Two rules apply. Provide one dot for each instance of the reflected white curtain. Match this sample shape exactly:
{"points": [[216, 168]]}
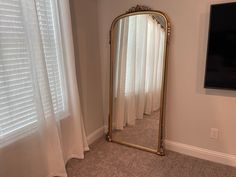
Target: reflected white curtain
{"points": [[37, 141], [138, 68]]}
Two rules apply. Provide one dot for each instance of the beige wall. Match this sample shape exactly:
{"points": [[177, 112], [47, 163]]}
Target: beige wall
{"points": [[85, 33], [191, 109]]}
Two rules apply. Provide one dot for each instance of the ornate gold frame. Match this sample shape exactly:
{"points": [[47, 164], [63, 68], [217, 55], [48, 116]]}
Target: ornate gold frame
{"points": [[135, 11]]}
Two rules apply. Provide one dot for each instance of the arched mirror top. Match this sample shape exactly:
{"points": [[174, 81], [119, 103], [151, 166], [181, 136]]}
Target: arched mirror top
{"points": [[160, 17]]}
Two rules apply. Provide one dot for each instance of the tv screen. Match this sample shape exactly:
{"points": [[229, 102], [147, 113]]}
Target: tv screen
{"points": [[221, 54]]}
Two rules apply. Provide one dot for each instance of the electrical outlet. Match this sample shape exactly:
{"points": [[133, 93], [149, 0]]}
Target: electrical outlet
{"points": [[214, 133]]}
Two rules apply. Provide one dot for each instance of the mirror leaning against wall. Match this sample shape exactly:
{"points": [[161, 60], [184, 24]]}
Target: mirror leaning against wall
{"points": [[138, 49]]}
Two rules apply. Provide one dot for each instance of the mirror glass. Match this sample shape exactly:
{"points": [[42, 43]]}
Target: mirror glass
{"points": [[139, 43]]}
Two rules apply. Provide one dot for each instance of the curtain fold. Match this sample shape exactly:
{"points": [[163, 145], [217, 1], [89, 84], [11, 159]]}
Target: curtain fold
{"points": [[40, 150], [75, 142], [138, 69]]}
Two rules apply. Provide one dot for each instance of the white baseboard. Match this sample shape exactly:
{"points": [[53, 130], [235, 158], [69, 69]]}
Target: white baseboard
{"points": [[214, 156], [95, 135], [201, 153]]}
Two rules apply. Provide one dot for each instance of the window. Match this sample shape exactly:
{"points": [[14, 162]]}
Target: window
{"points": [[18, 107]]}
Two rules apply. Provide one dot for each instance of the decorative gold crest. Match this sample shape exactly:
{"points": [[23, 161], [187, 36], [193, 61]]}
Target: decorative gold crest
{"points": [[138, 8]]}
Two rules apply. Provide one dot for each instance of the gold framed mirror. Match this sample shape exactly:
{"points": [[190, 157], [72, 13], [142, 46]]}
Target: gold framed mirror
{"points": [[138, 63]]}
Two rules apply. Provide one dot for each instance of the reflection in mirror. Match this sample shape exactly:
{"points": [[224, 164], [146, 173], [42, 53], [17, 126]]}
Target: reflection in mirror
{"points": [[139, 51]]}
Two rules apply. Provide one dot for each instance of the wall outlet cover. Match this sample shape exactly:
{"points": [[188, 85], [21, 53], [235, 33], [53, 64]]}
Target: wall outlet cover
{"points": [[214, 134]]}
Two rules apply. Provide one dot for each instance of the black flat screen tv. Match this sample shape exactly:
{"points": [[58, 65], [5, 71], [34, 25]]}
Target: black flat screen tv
{"points": [[220, 72]]}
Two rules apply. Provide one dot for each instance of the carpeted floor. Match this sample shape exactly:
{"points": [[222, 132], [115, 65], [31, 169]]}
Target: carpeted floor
{"points": [[143, 133], [112, 160]]}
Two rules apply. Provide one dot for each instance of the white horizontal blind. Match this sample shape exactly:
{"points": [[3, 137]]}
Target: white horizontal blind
{"points": [[17, 106], [52, 49], [18, 113]]}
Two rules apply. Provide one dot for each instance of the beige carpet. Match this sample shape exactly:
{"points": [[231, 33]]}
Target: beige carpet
{"points": [[143, 133], [112, 160]]}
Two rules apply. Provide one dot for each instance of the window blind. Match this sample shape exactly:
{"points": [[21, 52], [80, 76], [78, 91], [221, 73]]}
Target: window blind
{"points": [[18, 114], [52, 47]]}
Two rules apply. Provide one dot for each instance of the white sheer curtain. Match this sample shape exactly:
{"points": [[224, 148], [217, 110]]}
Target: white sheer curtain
{"points": [[41, 125], [138, 72]]}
